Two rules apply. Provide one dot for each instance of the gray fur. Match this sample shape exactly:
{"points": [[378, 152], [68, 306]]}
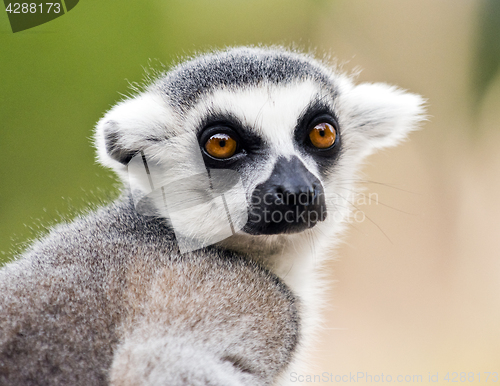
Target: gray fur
{"points": [[239, 67], [112, 283]]}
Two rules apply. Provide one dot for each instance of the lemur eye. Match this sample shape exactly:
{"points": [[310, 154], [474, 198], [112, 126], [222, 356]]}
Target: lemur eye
{"points": [[323, 135], [221, 145]]}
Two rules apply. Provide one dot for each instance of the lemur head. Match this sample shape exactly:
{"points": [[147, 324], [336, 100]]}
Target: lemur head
{"points": [[278, 132]]}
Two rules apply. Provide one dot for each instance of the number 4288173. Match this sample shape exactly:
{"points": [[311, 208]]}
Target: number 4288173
{"points": [[33, 7]]}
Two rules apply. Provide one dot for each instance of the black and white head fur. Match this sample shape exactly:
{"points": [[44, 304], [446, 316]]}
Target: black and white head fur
{"points": [[268, 101]]}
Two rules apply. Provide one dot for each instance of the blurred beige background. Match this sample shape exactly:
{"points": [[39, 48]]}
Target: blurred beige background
{"points": [[416, 286]]}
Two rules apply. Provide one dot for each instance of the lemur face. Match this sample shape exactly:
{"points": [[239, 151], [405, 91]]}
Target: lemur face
{"points": [[282, 140], [289, 131]]}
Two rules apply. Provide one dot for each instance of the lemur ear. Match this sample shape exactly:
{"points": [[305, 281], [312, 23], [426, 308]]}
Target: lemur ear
{"points": [[129, 127], [380, 115]]}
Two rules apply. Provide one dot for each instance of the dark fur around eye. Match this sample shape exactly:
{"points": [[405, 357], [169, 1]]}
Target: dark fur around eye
{"points": [[314, 114], [318, 112], [247, 142]]}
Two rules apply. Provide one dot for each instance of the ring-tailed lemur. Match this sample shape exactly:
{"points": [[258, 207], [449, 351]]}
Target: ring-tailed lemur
{"points": [[207, 270]]}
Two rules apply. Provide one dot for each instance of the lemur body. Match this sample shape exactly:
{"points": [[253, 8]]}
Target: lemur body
{"points": [[112, 298], [102, 292]]}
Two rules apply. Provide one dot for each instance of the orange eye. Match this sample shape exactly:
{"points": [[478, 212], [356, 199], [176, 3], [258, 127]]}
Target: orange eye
{"points": [[220, 145], [322, 135]]}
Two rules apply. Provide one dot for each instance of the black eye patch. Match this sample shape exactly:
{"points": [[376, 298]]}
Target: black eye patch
{"points": [[248, 143], [315, 113]]}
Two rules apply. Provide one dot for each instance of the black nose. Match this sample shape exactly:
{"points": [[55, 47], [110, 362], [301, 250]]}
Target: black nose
{"points": [[298, 194], [292, 184], [291, 200]]}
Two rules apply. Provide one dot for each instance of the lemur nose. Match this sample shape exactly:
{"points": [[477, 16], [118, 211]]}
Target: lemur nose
{"points": [[290, 200], [297, 194]]}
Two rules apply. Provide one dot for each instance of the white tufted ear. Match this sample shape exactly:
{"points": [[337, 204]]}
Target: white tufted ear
{"points": [[380, 115], [129, 127]]}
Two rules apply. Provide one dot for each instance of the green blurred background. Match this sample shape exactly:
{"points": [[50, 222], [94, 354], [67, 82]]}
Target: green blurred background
{"points": [[424, 295]]}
